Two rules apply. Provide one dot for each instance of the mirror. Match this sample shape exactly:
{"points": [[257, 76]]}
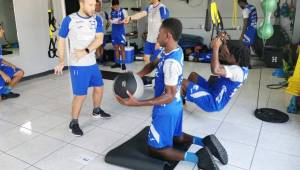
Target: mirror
{"points": [[9, 41]]}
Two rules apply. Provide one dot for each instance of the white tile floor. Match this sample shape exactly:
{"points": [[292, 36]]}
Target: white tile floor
{"points": [[34, 134]]}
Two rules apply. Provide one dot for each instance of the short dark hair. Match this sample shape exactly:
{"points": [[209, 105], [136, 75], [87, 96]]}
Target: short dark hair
{"points": [[174, 26], [115, 2], [240, 52]]}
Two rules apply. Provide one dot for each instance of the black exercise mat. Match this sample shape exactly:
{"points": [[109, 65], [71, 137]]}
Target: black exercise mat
{"points": [[133, 154]]}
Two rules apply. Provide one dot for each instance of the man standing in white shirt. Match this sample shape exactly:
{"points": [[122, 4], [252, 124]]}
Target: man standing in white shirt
{"points": [[85, 32], [156, 12]]}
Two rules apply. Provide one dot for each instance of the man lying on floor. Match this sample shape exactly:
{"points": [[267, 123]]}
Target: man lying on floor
{"points": [[213, 95], [10, 75], [166, 127]]}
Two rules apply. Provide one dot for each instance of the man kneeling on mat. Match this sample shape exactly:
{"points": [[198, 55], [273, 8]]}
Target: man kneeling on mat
{"points": [[166, 127], [10, 75], [213, 95]]}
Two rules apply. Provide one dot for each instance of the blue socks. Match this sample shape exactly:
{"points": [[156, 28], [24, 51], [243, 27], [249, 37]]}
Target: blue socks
{"points": [[191, 157], [198, 141], [7, 89]]}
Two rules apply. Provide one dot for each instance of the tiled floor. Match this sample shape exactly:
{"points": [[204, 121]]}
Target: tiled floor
{"points": [[34, 134]]}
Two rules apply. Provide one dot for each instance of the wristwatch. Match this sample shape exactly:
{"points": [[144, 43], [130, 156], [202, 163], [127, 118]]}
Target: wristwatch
{"points": [[87, 51]]}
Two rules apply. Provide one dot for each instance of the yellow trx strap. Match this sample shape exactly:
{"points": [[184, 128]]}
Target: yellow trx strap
{"points": [[214, 13], [235, 13], [51, 28], [52, 48]]}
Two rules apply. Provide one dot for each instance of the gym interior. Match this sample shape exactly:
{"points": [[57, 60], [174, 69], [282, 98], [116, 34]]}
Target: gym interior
{"points": [[149, 84]]}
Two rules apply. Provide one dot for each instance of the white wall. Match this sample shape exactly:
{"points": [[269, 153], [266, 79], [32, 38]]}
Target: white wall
{"points": [[193, 15], [32, 27], [296, 33], [8, 19]]}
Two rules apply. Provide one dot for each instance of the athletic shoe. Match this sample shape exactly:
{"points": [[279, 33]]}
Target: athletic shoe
{"points": [[9, 95], [75, 129], [99, 113], [123, 67], [116, 65], [216, 148], [205, 160]]}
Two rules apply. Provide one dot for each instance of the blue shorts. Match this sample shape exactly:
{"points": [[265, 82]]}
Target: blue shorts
{"points": [[83, 77], [201, 95], [249, 36], [10, 72], [149, 48], [166, 124], [118, 38]]}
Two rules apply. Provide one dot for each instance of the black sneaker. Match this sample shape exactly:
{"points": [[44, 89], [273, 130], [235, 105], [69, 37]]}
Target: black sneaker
{"points": [[205, 160], [99, 113], [116, 65], [216, 148], [123, 67], [10, 95], [75, 129]]}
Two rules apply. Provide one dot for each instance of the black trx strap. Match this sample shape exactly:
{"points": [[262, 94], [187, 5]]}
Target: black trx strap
{"points": [[52, 28]]}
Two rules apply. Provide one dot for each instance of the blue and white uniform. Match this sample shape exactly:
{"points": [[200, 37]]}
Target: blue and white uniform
{"points": [[81, 32], [118, 30], [7, 70], [167, 118], [212, 97], [105, 19], [1, 56], [250, 14], [2, 82], [156, 15]]}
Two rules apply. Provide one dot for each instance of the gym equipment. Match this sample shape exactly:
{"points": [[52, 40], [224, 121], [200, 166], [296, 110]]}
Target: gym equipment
{"points": [[190, 41], [208, 17], [292, 10], [277, 11], [279, 73], [52, 29], [280, 85], [271, 115], [265, 32], [129, 52], [128, 82], [294, 82], [285, 9], [133, 154], [292, 108], [235, 13], [274, 57], [279, 39]]}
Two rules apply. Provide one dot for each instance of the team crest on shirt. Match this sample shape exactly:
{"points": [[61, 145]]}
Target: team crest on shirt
{"points": [[92, 24]]}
